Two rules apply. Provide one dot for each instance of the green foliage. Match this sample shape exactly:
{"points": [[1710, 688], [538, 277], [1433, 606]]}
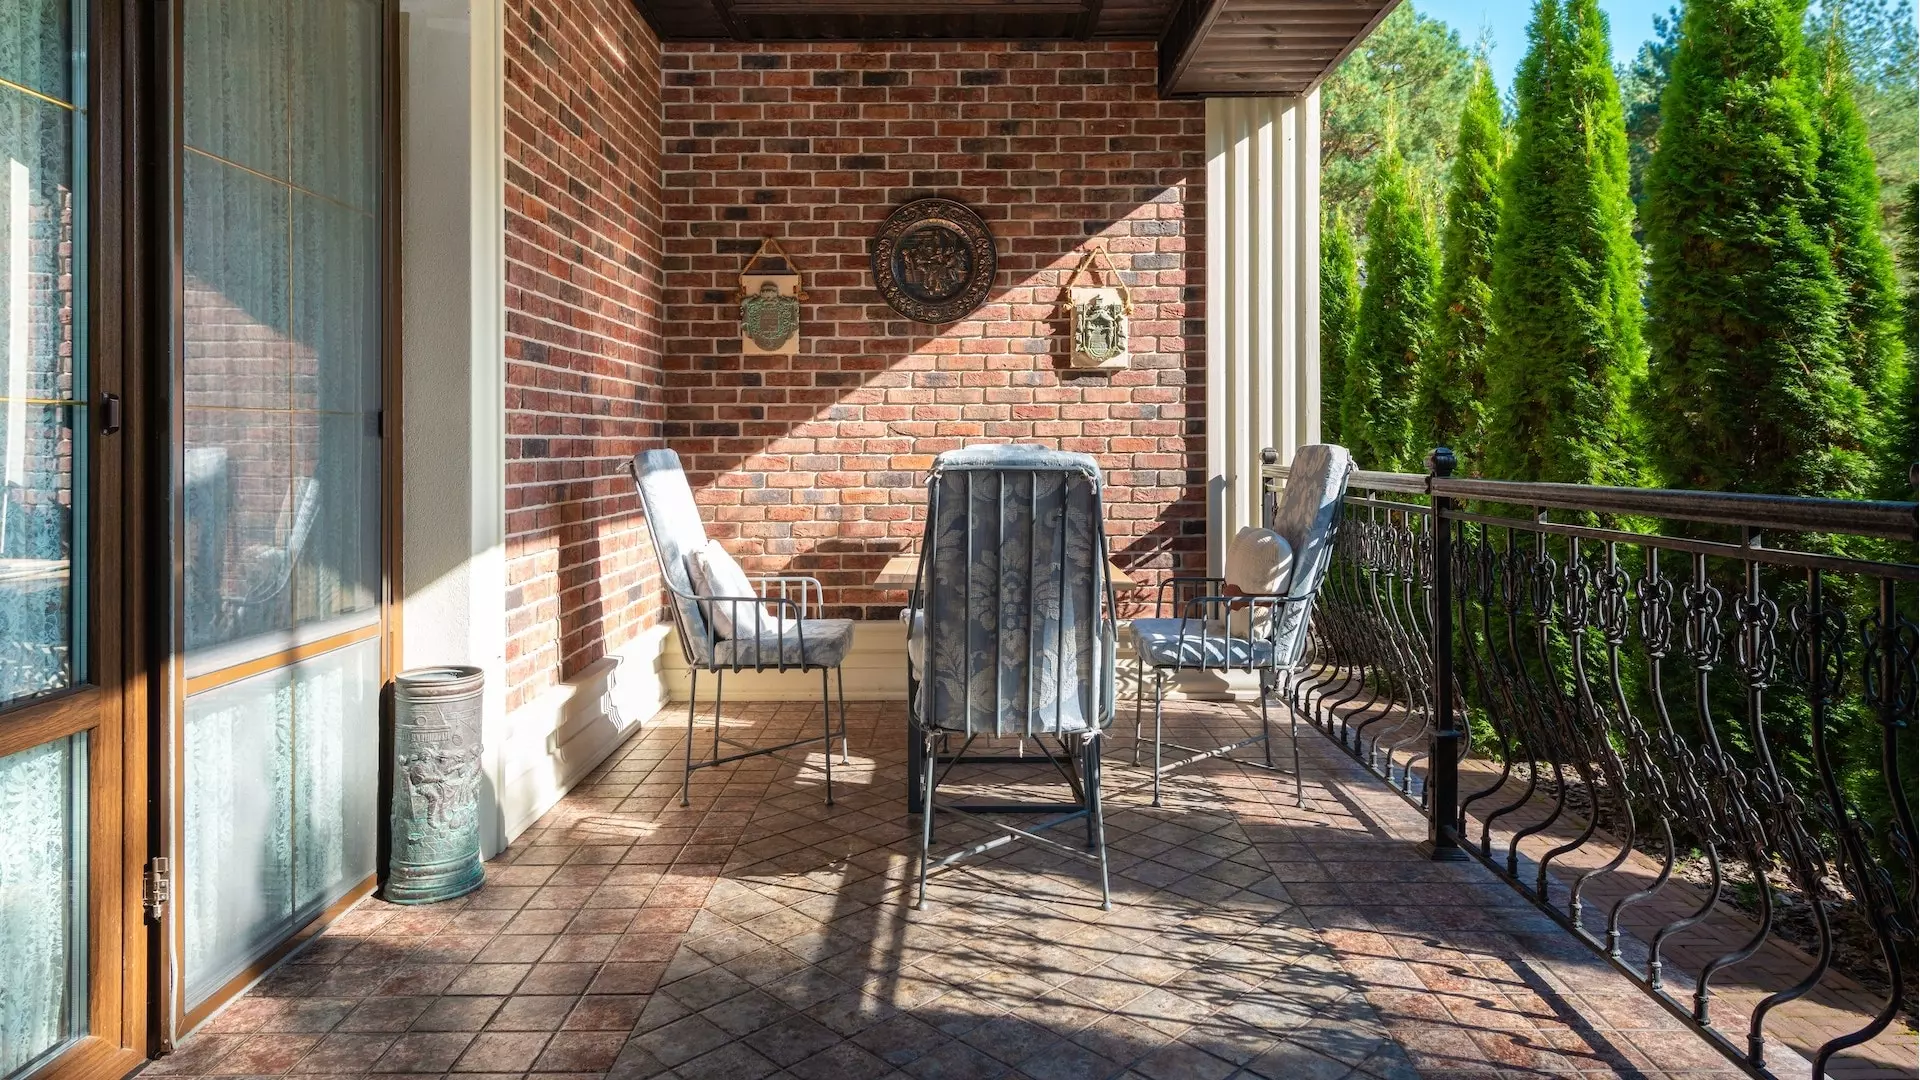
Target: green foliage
{"points": [[1879, 38], [1748, 389], [1395, 305], [1900, 444], [1451, 384], [1566, 352], [1847, 215], [1641, 84], [1404, 85], [1339, 317]]}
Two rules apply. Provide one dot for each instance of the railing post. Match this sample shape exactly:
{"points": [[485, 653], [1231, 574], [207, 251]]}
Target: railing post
{"points": [[1443, 775]]}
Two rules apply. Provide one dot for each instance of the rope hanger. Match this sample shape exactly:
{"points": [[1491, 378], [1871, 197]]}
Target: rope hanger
{"points": [[1096, 249]]}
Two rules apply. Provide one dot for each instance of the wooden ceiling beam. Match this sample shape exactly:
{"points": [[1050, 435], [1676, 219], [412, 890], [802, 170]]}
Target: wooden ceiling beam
{"points": [[1186, 29]]}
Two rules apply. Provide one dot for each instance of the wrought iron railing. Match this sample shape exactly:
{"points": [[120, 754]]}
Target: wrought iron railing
{"points": [[1563, 676]]}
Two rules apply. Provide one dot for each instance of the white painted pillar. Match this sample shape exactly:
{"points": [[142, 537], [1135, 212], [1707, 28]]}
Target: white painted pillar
{"points": [[453, 577], [1263, 298]]}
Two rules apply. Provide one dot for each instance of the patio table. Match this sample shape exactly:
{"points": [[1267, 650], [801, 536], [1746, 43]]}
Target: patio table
{"points": [[900, 570]]}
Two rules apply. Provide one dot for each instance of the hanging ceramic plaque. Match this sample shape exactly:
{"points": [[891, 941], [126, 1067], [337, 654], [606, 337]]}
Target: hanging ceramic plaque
{"points": [[770, 296], [1099, 315]]}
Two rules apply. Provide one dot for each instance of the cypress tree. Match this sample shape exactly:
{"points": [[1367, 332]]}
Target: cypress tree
{"points": [[1339, 312], [1900, 445], [1748, 388], [1451, 386], [1847, 214], [1565, 354], [1395, 304]]}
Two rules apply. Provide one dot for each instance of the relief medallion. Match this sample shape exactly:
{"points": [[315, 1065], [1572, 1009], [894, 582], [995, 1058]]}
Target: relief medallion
{"points": [[933, 260]]}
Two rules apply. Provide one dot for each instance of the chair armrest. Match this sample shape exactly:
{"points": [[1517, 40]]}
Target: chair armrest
{"points": [[1175, 583], [802, 583], [787, 611]]}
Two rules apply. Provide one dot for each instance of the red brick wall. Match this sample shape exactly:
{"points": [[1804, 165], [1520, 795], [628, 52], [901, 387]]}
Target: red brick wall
{"points": [[583, 331], [817, 463]]}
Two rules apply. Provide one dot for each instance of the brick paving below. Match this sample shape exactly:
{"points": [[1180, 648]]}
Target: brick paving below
{"points": [[761, 933]]}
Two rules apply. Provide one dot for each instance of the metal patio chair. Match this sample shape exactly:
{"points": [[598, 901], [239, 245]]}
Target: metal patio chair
{"points": [[1204, 637], [786, 638], [1013, 638]]}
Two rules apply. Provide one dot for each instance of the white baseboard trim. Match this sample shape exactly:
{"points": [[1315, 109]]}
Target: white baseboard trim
{"points": [[559, 737]]}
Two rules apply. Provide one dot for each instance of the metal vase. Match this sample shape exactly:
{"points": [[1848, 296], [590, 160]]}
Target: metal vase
{"points": [[436, 786]]}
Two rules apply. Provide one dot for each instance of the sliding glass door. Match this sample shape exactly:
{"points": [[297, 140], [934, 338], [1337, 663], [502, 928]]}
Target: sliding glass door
{"points": [[69, 982], [278, 367]]}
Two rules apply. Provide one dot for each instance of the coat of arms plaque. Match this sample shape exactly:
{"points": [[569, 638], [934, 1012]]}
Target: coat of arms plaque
{"points": [[933, 260], [770, 296], [1099, 314]]}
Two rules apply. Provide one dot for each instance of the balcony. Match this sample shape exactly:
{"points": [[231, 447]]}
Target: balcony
{"points": [[1497, 918]]}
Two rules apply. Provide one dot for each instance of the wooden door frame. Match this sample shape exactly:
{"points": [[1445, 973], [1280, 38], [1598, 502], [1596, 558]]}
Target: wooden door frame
{"points": [[163, 705], [112, 707]]}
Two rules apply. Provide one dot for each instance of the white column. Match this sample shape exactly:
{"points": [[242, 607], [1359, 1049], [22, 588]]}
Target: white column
{"points": [[453, 577], [1263, 298]]}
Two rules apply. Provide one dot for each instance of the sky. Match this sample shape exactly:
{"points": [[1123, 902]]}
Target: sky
{"points": [[1505, 21]]}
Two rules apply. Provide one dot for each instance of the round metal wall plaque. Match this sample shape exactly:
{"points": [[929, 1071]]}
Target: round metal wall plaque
{"points": [[933, 260]]}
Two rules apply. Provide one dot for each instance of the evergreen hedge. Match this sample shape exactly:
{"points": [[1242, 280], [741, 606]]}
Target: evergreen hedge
{"points": [[1395, 305], [1565, 354]]}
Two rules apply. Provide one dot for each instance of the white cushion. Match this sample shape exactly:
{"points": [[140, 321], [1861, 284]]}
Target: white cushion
{"points": [[714, 573], [1260, 562]]}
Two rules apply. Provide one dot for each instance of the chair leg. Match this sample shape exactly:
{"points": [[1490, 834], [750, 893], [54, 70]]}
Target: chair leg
{"points": [[1139, 697], [926, 817], [826, 732], [1159, 695], [1097, 825], [1299, 781], [1266, 732], [916, 751], [840, 678], [1089, 775], [719, 693], [693, 698]]}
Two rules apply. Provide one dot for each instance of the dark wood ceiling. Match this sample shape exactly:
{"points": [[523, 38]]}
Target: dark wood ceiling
{"points": [[1210, 47]]}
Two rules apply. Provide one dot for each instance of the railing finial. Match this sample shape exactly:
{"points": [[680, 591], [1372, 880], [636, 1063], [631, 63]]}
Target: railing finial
{"points": [[1441, 462], [1269, 456]]}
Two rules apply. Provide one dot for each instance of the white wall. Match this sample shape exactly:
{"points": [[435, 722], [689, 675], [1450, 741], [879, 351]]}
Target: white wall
{"points": [[453, 400], [1263, 298]]}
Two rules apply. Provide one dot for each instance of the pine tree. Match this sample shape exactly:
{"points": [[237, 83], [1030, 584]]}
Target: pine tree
{"points": [[1566, 351], [1451, 385], [1748, 389], [1395, 305], [1339, 312], [1847, 215]]}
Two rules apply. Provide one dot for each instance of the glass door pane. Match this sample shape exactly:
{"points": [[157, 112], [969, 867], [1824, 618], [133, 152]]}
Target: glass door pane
{"points": [[43, 916], [280, 485], [42, 348]]}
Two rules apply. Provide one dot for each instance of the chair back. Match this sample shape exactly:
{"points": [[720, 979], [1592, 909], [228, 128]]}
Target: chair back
{"points": [[1014, 563], [673, 523], [1308, 516]]}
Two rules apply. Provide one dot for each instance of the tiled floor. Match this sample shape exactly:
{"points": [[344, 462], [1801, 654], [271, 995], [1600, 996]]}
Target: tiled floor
{"points": [[762, 933]]}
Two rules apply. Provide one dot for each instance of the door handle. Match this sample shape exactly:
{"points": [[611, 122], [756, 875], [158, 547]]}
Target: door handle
{"points": [[109, 414]]}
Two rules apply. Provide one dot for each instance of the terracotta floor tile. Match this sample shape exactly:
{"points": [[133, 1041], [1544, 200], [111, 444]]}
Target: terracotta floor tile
{"points": [[760, 933]]}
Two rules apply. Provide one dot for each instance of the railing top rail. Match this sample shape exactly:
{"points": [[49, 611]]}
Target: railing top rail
{"points": [[1884, 520]]}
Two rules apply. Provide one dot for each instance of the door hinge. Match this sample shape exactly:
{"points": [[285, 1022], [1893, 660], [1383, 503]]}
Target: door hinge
{"points": [[157, 891]]}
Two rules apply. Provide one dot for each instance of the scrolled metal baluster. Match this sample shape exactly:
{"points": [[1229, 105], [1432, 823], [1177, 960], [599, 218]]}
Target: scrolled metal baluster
{"points": [[1540, 593], [1819, 664], [1515, 573], [1410, 576], [1656, 631], [1609, 612], [1576, 609], [1700, 603], [1755, 659], [1888, 681], [1477, 587]]}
